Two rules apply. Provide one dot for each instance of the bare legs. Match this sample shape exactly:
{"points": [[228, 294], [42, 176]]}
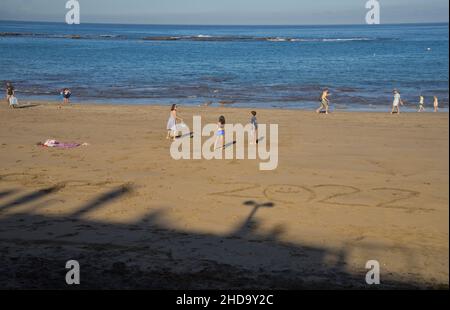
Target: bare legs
{"points": [[254, 138], [222, 142], [171, 134], [323, 106], [395, 109]]}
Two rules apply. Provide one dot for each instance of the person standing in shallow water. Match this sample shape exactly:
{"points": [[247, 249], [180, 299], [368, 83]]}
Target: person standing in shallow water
{"points": [[66, 93], [324, 102], [436, 104], [172, 123]]}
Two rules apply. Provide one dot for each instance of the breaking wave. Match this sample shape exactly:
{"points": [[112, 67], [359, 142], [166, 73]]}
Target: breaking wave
{"points": [[201, 37]]}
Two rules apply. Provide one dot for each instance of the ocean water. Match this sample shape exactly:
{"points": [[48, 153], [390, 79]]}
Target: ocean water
{"points": [[252, 66]]}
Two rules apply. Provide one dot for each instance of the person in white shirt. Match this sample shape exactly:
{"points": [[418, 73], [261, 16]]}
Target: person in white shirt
{"points": [[397, 102], [421, 104]]}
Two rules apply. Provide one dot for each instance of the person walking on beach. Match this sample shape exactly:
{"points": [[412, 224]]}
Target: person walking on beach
{"points": [[254, 123], [220, 133], [324, 102], [9, 91], [66, 93], [397, 102], [436, 104], [421, 104], [172, 123]]}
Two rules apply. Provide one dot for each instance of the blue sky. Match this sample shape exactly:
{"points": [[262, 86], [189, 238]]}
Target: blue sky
{"points": [[224, 12]]}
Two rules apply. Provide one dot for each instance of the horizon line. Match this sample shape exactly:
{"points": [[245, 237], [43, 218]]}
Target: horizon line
{"points": [[230, 25]]}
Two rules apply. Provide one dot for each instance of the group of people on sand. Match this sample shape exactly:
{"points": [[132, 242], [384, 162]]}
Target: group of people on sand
{"points": [[174, 119], [12, 100], [422, 104], [220, 131], [399, 102], [325, 103]]}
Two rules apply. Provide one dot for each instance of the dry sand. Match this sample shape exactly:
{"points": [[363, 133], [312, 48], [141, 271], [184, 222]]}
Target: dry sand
{"points": [[350, 187]]}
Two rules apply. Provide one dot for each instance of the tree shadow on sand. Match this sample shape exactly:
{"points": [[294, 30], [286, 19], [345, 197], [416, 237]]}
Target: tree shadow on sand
{"points": [[150, 254], [8, 192]]}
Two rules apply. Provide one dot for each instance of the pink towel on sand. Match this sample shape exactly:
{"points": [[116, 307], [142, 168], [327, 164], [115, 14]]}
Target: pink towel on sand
{"points": [[61, 145]]}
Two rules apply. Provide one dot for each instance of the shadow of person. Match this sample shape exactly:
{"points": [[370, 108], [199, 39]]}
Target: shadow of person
{"points": [[190, 135], [229, 144], [25, 106]]}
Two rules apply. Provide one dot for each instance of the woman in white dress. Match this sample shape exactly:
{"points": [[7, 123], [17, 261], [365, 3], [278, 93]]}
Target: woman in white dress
{"points": [[397, 102], [172, 123]]}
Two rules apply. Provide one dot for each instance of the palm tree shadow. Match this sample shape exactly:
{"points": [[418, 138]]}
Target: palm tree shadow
{"points": [[250, 225]]}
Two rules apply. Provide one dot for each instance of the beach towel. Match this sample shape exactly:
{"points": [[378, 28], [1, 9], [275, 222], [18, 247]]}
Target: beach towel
{"points": [[61, 145]]}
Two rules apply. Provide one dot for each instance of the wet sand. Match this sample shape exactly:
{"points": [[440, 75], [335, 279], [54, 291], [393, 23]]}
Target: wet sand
{"points": [[349, 188]]}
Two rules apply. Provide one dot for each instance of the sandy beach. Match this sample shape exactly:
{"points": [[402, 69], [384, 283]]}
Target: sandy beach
{"points": [[350, 187]]}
